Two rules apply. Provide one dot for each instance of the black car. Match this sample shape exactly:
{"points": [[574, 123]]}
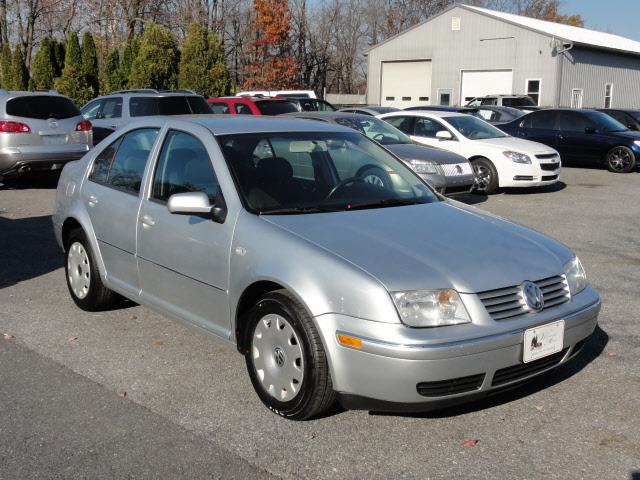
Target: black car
{"points": [[628, 117], [304, 104], [583, 137]]}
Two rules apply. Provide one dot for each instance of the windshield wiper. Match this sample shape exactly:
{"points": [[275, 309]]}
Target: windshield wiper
{"points": [[389, 202], [297, 210]]}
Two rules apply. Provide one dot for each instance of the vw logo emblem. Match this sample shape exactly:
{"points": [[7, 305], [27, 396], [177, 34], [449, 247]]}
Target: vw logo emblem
{"points": [[279, 356], [533, 296]]}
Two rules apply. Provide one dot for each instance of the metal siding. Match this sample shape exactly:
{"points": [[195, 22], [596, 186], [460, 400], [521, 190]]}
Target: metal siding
{"points": [[483, 43], [591, 70]]}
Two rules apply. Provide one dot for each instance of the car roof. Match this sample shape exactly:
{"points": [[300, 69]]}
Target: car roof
{"points": [[246, 124], [425, 113]]}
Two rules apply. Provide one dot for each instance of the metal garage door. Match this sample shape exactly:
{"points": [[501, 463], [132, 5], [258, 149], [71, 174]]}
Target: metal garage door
{"points": [[405, 84], [479, 83]]}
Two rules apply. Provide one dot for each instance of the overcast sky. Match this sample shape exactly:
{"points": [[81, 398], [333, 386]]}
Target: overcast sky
{"points": [[613, 16]]}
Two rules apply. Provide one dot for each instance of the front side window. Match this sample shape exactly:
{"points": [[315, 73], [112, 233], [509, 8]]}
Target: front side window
{"points": [[473, 128], [184, 166], [574, 122], [427, 127], [112, 108], [130, 160], [489, 101], [300, 172], [91, 109], [604, 123]]}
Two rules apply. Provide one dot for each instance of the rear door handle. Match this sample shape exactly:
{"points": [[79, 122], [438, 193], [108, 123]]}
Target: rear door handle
{"points": [[560, 136], [147, 221], [93, 200]]}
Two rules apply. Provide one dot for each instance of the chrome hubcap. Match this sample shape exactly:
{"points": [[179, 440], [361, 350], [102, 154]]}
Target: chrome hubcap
{"points": [[620, 159], [374, 180], [483, 176], [276, 354], [78, 270]]}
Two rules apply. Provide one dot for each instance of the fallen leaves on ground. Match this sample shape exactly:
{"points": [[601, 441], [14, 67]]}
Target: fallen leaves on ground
{"points": [[121, 392], [157, 343], [8, 336], [540, 408], [73, 339], [470, 443]]}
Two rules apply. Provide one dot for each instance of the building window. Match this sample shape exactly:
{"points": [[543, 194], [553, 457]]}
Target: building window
{"points": [[406, 99], [576, 97], [444, 96], [608, 95], [534, 90]]}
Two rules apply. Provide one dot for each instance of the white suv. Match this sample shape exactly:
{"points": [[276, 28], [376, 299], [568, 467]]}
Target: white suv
{"points": [[498, 159]]}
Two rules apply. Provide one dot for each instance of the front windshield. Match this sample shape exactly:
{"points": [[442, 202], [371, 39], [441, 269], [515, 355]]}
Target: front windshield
{"points": [[605, 123], [295, 173], [473, 128], [375, 129]]}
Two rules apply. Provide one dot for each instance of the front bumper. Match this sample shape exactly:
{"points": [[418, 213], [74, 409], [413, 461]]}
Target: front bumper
{"points": [[394, 359], [522, 175], [459, 184], [16, 160]]}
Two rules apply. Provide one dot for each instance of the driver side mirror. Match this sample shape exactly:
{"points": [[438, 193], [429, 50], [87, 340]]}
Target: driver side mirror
{"points": [[589, 130], [195, 203], [444, 135]]}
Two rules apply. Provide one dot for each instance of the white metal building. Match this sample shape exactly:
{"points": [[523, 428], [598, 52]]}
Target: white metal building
{"points": [[468, 51]]}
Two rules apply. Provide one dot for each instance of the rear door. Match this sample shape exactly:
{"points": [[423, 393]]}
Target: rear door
{"points": [[539, 127], [574, 143], [112, 197]]}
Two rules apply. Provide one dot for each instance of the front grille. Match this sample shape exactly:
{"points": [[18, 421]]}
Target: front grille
{"points": [[450, 387], [509, 302], [549, 167], [456, 169], [546, 178], [522, 370], [546, 156]]}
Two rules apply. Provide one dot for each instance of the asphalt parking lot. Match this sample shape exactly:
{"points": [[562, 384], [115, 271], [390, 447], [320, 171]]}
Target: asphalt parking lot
{"points": [[128, 393]]}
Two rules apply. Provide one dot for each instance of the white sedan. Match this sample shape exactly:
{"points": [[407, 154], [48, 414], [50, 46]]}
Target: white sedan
{"points": [[498, 159]]}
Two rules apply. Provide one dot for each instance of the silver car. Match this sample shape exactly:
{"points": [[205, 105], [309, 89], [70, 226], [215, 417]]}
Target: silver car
{"points": [[260, 232], [40, 131]]}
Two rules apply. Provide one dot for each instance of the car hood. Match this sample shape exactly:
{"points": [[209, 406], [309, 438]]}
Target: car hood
{"points": [[407, 151], [519, 144], [437, 245]]}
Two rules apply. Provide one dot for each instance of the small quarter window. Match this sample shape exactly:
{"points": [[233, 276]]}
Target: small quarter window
{"points": [[102, 163]]}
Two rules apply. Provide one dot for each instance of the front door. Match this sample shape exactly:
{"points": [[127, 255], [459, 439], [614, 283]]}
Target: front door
{"points": [[111, 195], [184, 259]]}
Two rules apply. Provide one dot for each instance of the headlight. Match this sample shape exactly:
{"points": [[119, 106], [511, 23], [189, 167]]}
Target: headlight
{"points": [[430, 308], [423, 166], [517, 157], [576, 276], [637, 142]]}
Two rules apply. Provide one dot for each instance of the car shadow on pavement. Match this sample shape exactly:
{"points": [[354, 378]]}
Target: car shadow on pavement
{"points": [[592, 349], [31, 180], [470, 198], [28, 249], [553, 188]]}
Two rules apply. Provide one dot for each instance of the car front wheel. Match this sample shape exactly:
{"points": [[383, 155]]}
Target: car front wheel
{"points": [[285, 358], [486, 176], [620, 160]]}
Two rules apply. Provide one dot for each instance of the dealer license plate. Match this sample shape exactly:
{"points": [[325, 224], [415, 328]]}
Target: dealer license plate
{"points": [[54, 139], [543, 341]]}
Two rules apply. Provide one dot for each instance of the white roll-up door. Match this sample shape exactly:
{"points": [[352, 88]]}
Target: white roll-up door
{"points": [[478, 83], [406, 83]]}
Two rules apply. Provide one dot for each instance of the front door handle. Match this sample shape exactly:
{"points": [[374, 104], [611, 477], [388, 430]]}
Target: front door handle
{"points": [[147, 221], [93, 200]]}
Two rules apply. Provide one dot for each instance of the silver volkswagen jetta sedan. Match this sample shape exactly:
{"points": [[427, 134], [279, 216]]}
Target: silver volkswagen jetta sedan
{"points": [[261, 232]]}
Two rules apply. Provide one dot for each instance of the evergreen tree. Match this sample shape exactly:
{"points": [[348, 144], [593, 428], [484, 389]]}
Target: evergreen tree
{"points": [[42, 68], [90, 63], [112, 78], [58, 57], [128, 56], [19, 72], [5, 67], [72, 82], [202, 66], [156, 64]]}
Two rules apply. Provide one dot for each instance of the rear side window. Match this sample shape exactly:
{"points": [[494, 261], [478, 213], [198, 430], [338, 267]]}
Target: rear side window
{"points": [[184, 166], [143, 106], [541, 120], [219, 107], [242, 109], [42, 107], [111, 108], [268, 107], [121, 164], [198, 105]]}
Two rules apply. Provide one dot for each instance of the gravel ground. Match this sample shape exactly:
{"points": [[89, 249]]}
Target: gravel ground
{"points": [[580, 422]]}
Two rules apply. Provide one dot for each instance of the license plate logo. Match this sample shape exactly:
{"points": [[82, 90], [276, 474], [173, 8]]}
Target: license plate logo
{"points": [[542, 341]]}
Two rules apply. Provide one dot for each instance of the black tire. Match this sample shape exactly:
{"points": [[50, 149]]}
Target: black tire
{"points": [[486, 176], [315, 395], [620, 159], [97, 297], [375, 176]]}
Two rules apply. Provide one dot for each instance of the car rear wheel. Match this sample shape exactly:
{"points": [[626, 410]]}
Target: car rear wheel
{"points": [[620, 160], [285, 358], [83, 278], [375, 176], [486, 176]]}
